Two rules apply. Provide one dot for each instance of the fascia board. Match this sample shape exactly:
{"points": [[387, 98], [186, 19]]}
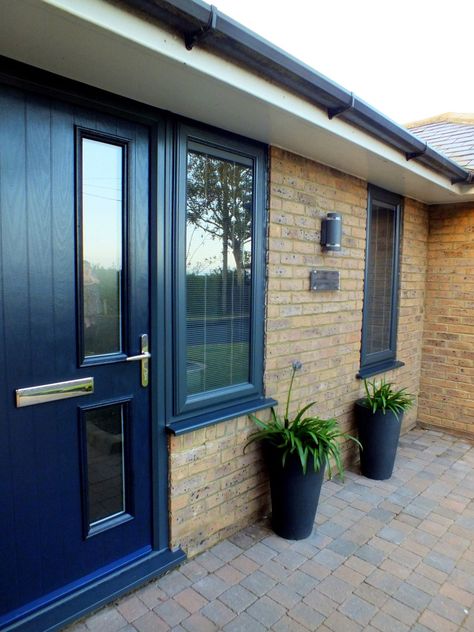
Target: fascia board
{"points": [[108, 46]]}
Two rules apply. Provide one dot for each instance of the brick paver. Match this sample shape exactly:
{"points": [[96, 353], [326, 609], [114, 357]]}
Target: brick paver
{"points": [[385, 556]]}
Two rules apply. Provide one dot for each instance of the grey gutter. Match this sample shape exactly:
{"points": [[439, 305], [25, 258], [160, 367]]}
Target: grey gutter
{"points": [[219, 33]]}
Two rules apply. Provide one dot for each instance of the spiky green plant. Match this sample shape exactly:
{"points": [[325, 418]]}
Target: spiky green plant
{"points": [[382, 396], [311, 438]]}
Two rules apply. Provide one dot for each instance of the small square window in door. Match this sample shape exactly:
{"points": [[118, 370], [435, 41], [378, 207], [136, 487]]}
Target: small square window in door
{"points": [[105, 480]]}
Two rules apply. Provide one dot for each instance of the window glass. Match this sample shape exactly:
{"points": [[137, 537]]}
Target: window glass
{"points": [[102, 210], [380, 316], [105, 462], [380, 278], [218, 272]]}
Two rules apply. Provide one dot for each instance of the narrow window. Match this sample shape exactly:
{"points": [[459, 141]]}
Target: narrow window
{"points": [[380, 316], [102, 205], [219, 320], [218, 271]]}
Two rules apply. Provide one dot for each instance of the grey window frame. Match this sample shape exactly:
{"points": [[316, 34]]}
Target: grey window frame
{"points": [[191, 412], [380, 361]]}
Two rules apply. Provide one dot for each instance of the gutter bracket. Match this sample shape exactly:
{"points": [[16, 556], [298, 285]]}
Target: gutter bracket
{"points": [[197, 36], [468, 180], [336, 111], [416, 154]]}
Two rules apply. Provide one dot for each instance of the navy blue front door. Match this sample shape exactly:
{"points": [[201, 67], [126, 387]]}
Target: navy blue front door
{"points": [[75, 469]]}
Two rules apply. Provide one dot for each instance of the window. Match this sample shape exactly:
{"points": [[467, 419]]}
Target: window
{"points": [[380, 315], [102, 178], [219, 282]]}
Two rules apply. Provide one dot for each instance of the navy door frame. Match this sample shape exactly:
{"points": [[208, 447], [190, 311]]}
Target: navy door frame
{"points": [[97, 592]]}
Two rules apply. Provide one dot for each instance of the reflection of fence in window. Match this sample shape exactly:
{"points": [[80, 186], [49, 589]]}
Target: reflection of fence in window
{"points": [[217, 338]]}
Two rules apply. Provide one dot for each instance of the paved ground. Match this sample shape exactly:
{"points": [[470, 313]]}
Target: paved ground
{"points": [[384, 556]]}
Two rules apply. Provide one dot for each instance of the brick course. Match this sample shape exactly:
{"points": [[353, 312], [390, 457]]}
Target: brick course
{"points": [[447, 393], [215, 488]]}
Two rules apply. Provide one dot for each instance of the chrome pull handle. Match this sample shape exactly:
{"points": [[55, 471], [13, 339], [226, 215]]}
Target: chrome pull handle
{"points": [[53, 392], [143, 358]]}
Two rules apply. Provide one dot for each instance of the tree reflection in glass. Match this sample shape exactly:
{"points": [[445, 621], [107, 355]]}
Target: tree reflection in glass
{"points": [[218, 271]]}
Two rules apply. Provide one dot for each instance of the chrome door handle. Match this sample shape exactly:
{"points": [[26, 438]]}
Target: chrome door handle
{"points": [[138, 358], [144, 358]]}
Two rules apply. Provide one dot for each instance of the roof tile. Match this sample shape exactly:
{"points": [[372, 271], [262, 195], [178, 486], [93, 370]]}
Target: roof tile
{"points": [[451, 134]]}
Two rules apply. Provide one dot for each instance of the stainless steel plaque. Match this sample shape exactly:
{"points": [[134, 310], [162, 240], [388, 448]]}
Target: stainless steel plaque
{"points": [[325, 280], [52, 392]]}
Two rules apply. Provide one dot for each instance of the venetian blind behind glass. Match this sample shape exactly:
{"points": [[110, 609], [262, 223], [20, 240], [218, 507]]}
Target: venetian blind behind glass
{"points": [[218, 272], [380, 278]]}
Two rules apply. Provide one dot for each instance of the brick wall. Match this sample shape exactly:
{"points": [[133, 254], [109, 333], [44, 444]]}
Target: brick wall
{"points": [[413, 271], [447, 387], [215, 488], [323, 329]]}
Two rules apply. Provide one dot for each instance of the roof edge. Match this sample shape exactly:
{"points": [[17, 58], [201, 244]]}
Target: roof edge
{"points": [[462, 118], [203, 24]]}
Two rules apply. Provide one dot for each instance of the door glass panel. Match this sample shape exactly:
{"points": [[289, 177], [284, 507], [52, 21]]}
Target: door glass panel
{"points": [[105, 462], [102, 212], [218, 272]]}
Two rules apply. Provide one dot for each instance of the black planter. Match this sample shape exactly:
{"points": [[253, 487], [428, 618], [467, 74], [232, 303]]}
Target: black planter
{"points": [[294, 495], [378, 434]]}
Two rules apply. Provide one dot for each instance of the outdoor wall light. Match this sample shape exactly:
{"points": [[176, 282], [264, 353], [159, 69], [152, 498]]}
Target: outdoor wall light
{"points": [[331, 232]]}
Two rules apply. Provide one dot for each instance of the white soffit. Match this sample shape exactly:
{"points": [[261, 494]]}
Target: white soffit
{"points": [[107, 46]]}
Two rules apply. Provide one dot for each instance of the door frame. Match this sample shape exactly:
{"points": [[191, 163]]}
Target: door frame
{"points": [[98, 589]]}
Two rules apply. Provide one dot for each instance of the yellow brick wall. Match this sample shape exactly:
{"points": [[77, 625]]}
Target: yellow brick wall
{"points": [[447, 385], [323, 329], [411, 322], [215, 488]]}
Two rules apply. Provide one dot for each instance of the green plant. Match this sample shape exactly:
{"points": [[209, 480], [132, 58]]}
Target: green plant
{"points": [[383, 397], [310, 437]]}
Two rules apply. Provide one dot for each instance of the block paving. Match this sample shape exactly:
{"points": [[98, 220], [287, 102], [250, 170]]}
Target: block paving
{"points": [[384, 556]]}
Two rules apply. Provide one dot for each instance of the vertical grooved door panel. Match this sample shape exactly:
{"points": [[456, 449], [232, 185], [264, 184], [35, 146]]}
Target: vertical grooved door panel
{"points": [[50, 544]]}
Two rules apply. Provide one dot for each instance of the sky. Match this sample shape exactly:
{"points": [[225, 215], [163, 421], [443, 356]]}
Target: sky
{"points": [[408, 59], [102, 203]]}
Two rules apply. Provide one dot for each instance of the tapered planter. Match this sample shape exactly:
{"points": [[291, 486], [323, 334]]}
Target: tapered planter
{"points": [[294, 495], [378, 434]]}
